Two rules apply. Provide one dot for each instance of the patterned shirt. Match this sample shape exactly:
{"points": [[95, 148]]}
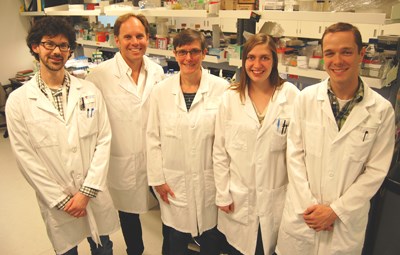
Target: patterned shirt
{"points": [[58, 104], [56, 93], [342, 114]]}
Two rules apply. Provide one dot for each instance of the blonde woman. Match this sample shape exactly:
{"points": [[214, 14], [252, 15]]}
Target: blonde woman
{"points": [[250, 151]]}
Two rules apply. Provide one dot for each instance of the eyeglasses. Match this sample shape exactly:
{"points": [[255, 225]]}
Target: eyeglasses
{"points": [[49, 45], [193, 52]]}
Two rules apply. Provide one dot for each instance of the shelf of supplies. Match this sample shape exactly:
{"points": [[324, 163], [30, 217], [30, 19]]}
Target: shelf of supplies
{"points": [[95, 44], [364, 18], [73, 13], [351, 17], [169, 53], [235, 62], [32, 13], [304, 72], [157, 12], [310, 73]]}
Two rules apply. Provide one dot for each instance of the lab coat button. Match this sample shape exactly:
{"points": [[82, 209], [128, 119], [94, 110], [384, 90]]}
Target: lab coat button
{"points": [[331, 174], [74, 149]]}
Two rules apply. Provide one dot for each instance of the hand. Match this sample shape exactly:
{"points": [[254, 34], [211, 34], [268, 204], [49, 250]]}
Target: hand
{"points": [[227, 208], [76, 206], [164, 190], [320, 217]]}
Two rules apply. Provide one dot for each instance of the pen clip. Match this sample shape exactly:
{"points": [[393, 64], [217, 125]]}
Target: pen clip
{"points": [[365, 135]]}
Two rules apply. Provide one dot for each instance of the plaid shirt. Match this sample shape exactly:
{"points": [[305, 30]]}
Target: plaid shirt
{"points": [[57, 96], [341, 115]]}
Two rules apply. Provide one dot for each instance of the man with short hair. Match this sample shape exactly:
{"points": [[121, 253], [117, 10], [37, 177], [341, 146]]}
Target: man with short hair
{"points": [[126, 82], [60, 135], [340, 145]]}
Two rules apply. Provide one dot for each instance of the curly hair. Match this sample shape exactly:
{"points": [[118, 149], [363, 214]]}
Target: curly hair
{"points": [[50, 26]]}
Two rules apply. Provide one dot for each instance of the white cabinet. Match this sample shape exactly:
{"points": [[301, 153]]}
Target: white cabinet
{"points": [[311, 29], [228, 25], [390, 29]]}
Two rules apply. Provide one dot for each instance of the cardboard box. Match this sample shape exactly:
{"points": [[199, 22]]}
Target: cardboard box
{"points": [[228, 4], [247, 1], [245, 7]]}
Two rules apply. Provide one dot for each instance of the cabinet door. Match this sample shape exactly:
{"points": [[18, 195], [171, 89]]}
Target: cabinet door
{"points": [[368, 31], [390, 29], [229, 25], [311, 29]]}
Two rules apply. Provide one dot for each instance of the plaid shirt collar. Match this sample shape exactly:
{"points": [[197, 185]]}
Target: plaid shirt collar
{"points": [[341, 115], [42, 85]]}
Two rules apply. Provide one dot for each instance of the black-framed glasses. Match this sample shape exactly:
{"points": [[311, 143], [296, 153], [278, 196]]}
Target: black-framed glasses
{"points": [[193, 52], [49, 45]]}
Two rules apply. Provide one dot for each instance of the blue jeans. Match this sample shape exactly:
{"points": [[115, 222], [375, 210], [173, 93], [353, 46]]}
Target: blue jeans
{"points": [[105, 249], [132, 232]]}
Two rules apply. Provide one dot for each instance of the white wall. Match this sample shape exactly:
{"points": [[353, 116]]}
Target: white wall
{"points": [[14, 54]]}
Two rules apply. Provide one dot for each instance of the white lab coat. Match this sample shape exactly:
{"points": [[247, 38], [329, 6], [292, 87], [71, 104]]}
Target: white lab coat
{"points": [[128, 112], [343, 169], [179, 147], [57, 157], [250, 168]]}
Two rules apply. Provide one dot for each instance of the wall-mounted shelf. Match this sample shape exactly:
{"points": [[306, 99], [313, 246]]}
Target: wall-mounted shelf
{"points": [[156, 12], [310, 73], [95, 44], [32, 13]]}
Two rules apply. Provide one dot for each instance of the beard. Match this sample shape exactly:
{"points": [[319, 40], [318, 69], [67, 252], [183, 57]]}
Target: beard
{"points": [[47, 62]]}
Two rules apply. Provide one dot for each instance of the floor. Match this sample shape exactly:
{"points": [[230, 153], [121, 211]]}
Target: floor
{"points": [[22, 230]]}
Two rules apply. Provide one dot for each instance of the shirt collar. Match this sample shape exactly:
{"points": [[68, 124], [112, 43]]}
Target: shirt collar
{"points": [[42, 85], [125, 69], [358, 95]]}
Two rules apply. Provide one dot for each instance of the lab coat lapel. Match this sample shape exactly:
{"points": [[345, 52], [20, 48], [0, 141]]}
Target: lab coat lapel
{"points": [[42, 102], [203, 88], [249, 108], [123, 79], [73, 97], [177, 92], [358, 114], [150, 81], [274, 110], [322, 98]]}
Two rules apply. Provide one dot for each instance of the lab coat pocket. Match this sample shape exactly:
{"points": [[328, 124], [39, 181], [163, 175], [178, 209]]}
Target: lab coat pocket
{"points": [[43, 133], [56, 218], [240, 197], [122, 172], [360, 141], [295, 231], [236, 136], [279, 138], [210, 190], [177, 183], [170, 125], [208, 123], [314, 135], [87, 123]]}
